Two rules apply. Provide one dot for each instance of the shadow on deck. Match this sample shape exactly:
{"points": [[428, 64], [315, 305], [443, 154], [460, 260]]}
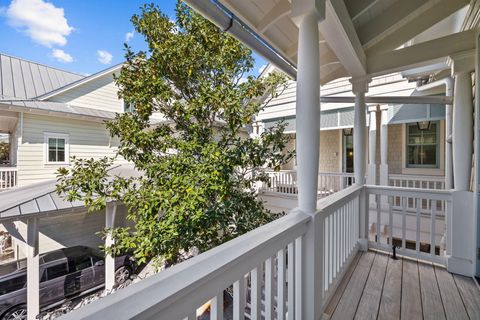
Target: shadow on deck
{"points": [[378, 287]]}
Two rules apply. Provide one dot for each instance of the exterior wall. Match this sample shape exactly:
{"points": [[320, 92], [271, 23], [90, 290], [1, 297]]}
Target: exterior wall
{"points": [[330, 152], [395, 140], [69, 230], [87, 139], [99, 94]]}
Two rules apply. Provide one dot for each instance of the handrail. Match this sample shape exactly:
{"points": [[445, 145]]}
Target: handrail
{"points": [[332, 202], [8, 169], [434, 194], [210, 271], [416, 177]]}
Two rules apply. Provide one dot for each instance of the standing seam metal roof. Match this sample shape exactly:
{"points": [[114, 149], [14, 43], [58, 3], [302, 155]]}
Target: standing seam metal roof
{"points": [[23, 79]]}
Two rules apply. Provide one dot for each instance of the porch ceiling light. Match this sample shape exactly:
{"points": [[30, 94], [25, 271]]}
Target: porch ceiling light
{"points": [[424, 125], [347, 131]]}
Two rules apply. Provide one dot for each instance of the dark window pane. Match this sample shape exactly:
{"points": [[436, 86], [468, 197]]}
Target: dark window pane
{"points": [[13, 284], [61, 156], [82, 262], [429, 155], [52, 156], [52, 143], [61, 144], [57, 271]]}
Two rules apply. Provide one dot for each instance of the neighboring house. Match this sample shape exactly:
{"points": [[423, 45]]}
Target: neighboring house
{"points": [[51, 115], [47, 116]]}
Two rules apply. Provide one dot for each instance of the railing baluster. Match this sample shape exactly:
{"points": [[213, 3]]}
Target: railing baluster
{"points": [[390, 219], [256, 293], [216, 308], [239, 299], [298, 278], [417, 236], [377, 200], [281, 288], [432, 229], [269, 299], [404, 222], [291, 281]]}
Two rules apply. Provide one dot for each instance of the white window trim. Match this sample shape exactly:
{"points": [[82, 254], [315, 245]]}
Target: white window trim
{"points": [[46, 136]]}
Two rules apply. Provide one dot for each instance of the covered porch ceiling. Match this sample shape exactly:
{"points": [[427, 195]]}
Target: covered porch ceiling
{"points": [[369, 37]]}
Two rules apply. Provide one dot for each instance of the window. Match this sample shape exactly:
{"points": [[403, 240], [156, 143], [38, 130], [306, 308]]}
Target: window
{"points": [[82, 262], [56, 146], [13, 284], [57, 271], [128, 107], [423, 146]]}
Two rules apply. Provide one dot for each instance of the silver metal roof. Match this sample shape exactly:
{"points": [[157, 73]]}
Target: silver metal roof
{"points": [[42, 199], [23, 79], [59, 108]]}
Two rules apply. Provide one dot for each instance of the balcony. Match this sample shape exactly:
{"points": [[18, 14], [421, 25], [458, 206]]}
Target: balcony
{"points": [[8, 178], [302, 266]]}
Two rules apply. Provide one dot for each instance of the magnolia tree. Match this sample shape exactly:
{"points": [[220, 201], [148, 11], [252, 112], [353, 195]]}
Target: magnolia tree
{"points": [[198, 164]]}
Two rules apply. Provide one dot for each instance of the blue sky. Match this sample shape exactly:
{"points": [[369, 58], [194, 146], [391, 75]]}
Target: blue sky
{"points": [[82, 36]]}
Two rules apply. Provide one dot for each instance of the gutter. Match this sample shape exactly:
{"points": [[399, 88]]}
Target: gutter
{"points": [[217, 13]]}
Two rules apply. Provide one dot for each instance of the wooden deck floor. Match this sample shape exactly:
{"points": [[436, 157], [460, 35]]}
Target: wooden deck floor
{"points": [[378, 287]]}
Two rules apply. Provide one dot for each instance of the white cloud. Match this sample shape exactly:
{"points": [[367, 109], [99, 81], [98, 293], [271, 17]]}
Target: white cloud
{"points": [[104, 57], [61, 56], [129, 36], [41, 21], [262, 67]]}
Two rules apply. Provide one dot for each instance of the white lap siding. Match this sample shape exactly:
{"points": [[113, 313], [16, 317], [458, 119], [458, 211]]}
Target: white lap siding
{"points": [[87, 139]]}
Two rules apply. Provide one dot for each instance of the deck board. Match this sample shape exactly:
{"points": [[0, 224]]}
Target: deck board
{"points": [[341, 287], [470, 295], [430, 293], [392, 291], [411, 299], [348, 303], [378, 287], [370, 301], [452, 301]]}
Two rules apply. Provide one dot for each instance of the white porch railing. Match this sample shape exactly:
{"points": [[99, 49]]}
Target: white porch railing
{"points": [[285, 182], [420, 182], [8, 177], [266, 269], [290, 268], [421, 234]]}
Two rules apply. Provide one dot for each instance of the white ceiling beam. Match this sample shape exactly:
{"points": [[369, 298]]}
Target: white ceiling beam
{"points": [[279, 11], [340, 34], [357, 7], [390, 99], [402, 33], [398, 14], [420, 54]]}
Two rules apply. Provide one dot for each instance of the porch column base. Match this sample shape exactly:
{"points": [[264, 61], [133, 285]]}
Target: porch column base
{"points": [[384, 174], [363, 243], [460, 266]]}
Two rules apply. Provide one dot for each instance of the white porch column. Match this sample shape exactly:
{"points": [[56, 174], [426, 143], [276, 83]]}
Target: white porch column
{"points": [[308, 294], [372, 149], [384, 147], [462, 126], [448, 136], [33, 269], [359, 88], [110, 213]]}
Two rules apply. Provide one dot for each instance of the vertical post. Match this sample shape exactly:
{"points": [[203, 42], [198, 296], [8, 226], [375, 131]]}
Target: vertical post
{"points": [[33, 269], [462, 126], [110, 213], [359, 88], [448, 136], [384, 148], [307, 14], [372, 149]]}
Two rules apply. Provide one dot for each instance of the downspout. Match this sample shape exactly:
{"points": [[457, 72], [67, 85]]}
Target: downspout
{"points": [[228, 22], [448, 83]]}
